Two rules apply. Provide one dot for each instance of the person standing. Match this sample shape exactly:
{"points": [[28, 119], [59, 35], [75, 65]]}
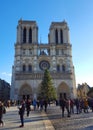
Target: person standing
{"points": [[21, 113]]}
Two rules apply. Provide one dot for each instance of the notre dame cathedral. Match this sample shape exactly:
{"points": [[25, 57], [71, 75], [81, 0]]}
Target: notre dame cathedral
{"points": [[32, 58]]}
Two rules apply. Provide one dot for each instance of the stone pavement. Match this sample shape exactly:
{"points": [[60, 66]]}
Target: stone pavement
{"points": [[83, 121], [36, 121], [51, 120]]}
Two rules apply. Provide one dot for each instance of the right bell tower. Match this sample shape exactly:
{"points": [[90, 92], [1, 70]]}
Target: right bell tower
{"points": [[59, 39], [59, 33]]}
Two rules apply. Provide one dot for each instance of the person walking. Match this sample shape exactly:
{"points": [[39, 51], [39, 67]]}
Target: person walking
{"points": [[71, 106], [28, 109], [41, 104], [67, 104], [21, 113], [34, 104], [45, 105], [85, 105], [62, 105], [2, 110], [77, 103]]}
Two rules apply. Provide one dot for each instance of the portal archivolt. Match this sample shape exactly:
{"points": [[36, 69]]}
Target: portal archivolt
{"points": [[25, 91], [63, 90]]}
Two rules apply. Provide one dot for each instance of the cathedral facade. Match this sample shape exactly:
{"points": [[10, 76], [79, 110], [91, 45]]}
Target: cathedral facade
{"points": [[32, 58]]}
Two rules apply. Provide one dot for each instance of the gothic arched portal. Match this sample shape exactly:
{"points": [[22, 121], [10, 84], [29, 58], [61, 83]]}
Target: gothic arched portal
{"points": [[25, 92], [63, 90]]}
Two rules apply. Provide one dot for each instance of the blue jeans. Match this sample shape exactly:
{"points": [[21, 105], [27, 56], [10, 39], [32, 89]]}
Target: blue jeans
{"points": [[22, 119]]}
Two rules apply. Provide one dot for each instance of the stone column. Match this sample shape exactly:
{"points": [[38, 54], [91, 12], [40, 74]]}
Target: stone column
{"points": [[53, 50], [52, 36], [64, 36], [36, 30], [19, 34], [34, 35], [35, 63], [68, 36]]}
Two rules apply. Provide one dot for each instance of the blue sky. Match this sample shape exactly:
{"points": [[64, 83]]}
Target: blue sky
{"points": [[77, 13]]}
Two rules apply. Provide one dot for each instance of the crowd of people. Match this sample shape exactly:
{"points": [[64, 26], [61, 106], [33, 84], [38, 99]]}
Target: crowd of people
{"points": [[25, 106], [81, 105]]}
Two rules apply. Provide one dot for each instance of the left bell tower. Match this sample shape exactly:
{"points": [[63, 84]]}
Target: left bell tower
{"points": [[27, 32], [25, 49]]}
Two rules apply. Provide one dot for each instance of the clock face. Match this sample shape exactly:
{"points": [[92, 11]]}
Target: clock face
{"points": [[44, 65]]}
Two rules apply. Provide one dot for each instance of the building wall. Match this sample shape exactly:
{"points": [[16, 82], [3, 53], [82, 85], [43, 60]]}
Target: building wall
{"points": [[32, 58], [82, 90], [4, 90]]}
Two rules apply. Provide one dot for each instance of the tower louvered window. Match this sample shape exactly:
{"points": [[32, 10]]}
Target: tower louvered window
{"points": [[24, 35], [61, 36], [56, 36], [30, 35]]}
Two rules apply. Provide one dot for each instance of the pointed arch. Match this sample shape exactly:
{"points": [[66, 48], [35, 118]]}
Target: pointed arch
{"points": [[63, 90]]}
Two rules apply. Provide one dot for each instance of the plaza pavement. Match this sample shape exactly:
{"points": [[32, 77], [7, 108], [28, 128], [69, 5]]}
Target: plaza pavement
{"points": [[82, 121], [51, 120], [36, 121]]}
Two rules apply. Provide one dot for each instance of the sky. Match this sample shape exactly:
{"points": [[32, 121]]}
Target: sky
{"points": [[77, 13]]}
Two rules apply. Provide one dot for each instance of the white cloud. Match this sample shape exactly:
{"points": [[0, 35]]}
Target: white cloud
{"points": [[83, 79], [6, 74]]}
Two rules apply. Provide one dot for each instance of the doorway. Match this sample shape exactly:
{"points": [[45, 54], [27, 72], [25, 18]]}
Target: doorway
{"points": [[63, 95]]}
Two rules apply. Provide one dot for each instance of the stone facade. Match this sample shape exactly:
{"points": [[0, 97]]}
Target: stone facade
{"points": [[32, 58]]}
